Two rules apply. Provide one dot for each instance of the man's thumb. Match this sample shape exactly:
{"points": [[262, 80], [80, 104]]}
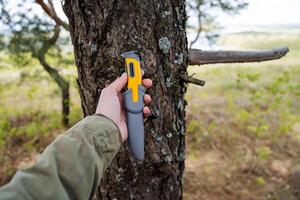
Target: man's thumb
{"points": [[120, 82]]}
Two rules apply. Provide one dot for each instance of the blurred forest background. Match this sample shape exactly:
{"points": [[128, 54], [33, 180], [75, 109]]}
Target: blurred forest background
{"points": [[243, 127]]}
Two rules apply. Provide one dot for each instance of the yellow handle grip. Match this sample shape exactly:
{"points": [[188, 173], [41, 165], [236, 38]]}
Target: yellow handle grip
{"points": [[133, 69]]}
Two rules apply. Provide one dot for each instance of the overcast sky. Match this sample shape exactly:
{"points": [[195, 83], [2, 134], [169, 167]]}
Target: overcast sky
{"points": [[258, 12], [265, 12]]}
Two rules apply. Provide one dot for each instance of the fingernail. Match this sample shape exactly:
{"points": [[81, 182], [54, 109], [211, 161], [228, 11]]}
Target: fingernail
{"points": [[121, 75], [124, 74]]}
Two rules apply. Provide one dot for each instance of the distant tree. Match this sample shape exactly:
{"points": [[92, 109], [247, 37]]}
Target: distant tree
{"points": [[204, 11], [24, 31]]}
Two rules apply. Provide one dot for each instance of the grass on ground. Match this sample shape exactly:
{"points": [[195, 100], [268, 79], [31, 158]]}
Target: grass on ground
{"points": [[244, 125]]}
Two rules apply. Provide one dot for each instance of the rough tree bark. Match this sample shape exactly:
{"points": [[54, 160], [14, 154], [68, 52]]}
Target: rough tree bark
{"points": [[103, 29]]}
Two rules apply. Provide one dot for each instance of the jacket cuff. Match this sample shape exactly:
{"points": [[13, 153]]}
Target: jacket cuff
{"points": [[108, 136], [119, 132]]}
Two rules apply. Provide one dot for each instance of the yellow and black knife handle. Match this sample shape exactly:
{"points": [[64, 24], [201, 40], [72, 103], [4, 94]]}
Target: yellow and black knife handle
{"points": [[134, 98]]}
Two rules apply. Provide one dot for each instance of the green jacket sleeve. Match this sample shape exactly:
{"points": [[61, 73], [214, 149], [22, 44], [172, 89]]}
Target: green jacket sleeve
{"points": [[72, 166]]}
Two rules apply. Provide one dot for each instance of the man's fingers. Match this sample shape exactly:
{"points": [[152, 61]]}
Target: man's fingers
{"points": [[147, 99], [143, 73], [147, 83], [119, 83], [146, 111]]}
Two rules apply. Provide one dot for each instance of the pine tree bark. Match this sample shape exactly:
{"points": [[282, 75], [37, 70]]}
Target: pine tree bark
{"points": [[103, 29]]}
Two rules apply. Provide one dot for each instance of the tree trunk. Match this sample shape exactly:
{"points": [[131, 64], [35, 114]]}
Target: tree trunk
{"points": [[100, 32], [64, 87], [54, 74], [65, 104]]}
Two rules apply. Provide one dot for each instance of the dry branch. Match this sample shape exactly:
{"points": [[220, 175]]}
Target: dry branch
{"points": [[49, 9], [190, 79], [199, 57]]}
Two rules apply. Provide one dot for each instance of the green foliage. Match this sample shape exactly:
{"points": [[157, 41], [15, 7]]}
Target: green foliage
{"points": [[28, 35], [250, 114], [193, 126], [260, 181], [194, 129], [272, 98], [253, 77], [258, 131], [31, 93], [31, 110], [264, 152], [242, 115], [4, 128], [25, 29]]}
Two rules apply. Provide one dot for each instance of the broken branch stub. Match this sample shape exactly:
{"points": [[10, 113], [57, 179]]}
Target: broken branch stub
{"points": [[199, 57], [190, 79]]}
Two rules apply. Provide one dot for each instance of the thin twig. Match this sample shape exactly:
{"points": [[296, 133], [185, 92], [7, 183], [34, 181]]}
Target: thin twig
{"points": [[199, 28]]}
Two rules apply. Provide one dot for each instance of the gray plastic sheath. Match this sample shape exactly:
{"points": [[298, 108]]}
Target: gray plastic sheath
{"points": [[135, 123]]}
